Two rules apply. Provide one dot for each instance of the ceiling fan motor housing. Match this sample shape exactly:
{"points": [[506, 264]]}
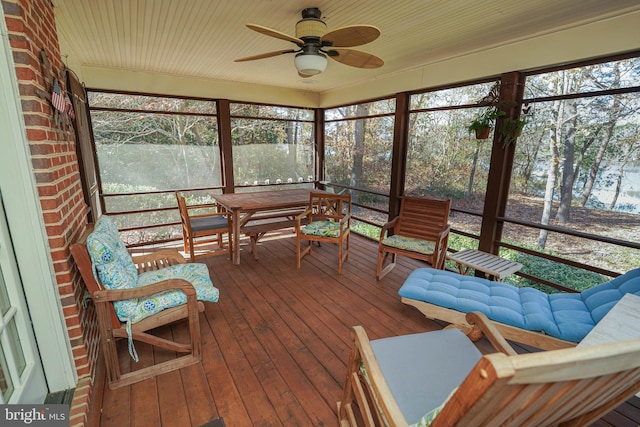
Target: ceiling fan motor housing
{"points": [[310, 26]]}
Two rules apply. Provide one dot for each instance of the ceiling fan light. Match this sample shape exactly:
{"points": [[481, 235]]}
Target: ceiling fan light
{"points": [[310, 64]]}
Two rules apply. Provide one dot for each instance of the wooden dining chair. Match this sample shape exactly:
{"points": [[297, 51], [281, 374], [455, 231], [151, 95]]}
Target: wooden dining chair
{"points": [[440, 379], [420, 231], [326, 219], [197, 227]]}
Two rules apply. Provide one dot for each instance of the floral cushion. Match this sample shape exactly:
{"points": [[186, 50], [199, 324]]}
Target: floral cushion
{"points": [[409, 244], [428, 418], [322, 228], [134, 310], [111, 260], [116, 270]]}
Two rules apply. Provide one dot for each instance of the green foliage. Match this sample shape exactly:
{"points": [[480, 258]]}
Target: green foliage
{"points": [[485, 120]]}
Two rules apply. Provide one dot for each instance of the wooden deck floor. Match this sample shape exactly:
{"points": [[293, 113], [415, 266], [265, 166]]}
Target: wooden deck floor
{"points": [[275, 346]]}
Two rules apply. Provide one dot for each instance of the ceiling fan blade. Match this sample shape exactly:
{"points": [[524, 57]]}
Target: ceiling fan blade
{"points": [[355, 58], [353, 35], [265, 55], [274, 33]]}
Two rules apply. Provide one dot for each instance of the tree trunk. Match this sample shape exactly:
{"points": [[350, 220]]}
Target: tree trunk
{"points": [[362, 110], [614, 113], [568, 172], [474, 165], [552, 173]]}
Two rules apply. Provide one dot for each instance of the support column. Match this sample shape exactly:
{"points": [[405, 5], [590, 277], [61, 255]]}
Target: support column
{"points": [[399, 154], [318, 142], [226, 152], [499, 179]]}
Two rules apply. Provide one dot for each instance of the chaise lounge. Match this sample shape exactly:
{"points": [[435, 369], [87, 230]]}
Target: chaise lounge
{"points": [[556, 320]]}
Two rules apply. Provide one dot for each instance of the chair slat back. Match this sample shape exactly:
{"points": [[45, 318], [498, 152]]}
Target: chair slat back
{"points": [[330, 206], [573, 386], [184, 212], [422, 218]]}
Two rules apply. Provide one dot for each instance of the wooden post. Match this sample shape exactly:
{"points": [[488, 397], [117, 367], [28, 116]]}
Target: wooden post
{"points": [[226, 151], [499, 179], [399, 154], [318, 139]]}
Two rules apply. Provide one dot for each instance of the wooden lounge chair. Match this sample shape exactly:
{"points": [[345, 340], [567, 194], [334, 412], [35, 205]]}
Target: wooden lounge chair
{"points": [[420, 231], [440, 379], [134, 295], [326, 219]]}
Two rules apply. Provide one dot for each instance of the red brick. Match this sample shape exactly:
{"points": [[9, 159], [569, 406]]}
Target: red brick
{"points": [[14, 25], [36, 134]]}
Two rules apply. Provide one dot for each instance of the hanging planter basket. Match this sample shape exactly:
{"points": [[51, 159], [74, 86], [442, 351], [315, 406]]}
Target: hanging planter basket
{"points": [[483, 133]]}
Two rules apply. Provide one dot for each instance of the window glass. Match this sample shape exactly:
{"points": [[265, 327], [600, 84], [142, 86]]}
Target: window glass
{"points": [[592, 78], [445, 160], [147, 147], [358, 154], [268, 151], [577, 165]]}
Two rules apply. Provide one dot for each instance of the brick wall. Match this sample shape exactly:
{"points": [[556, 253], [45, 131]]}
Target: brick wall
{"points": [[32, 31]]}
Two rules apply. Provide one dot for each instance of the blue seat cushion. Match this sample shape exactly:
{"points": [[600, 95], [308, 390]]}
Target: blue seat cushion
{"points": [[423, 369], [567, 316], [208, 223]]}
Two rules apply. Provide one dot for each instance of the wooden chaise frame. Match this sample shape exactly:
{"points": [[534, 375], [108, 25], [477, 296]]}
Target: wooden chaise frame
{"points": [[111, 329], [565, 387], [455, 317]]}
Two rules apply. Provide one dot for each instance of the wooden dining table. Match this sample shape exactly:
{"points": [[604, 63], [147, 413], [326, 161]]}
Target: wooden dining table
{"points": [[243, 206]]}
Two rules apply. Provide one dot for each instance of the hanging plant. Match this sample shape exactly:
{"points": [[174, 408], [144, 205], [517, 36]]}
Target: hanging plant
{"points": [[511, 129], [483, 123]]}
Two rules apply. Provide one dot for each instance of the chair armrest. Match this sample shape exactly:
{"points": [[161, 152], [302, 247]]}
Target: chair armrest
{"points": [[363, 352], [443, 233], [388, 226], [145, 291], [346, 218], [305, 214], [157, 260], [483, 326]]}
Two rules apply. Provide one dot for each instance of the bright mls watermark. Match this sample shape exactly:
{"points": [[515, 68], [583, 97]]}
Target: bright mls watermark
{"points": [[34, 415]]}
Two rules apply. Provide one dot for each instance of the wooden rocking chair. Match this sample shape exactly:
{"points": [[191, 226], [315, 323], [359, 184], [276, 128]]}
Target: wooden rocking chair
{"points": [[440, 379], [420, 231], [111, 329]]}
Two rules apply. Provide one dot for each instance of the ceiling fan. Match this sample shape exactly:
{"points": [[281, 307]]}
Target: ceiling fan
{"points": [[315, 44]]}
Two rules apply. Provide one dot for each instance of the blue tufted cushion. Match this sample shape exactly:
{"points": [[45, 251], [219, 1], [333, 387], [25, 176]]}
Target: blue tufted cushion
{"points": [[409, 244], [322, 228], [110, 258], [566, 316]]}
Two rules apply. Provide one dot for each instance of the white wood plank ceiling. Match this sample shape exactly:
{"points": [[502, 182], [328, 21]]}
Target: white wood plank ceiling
{"points": [[201, 38]]}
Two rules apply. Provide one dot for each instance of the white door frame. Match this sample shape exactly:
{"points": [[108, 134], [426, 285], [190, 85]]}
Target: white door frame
{"points": [[24, 215]]}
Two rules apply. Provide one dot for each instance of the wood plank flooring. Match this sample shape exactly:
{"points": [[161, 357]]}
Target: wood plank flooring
{"points": [[275, 346]]}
